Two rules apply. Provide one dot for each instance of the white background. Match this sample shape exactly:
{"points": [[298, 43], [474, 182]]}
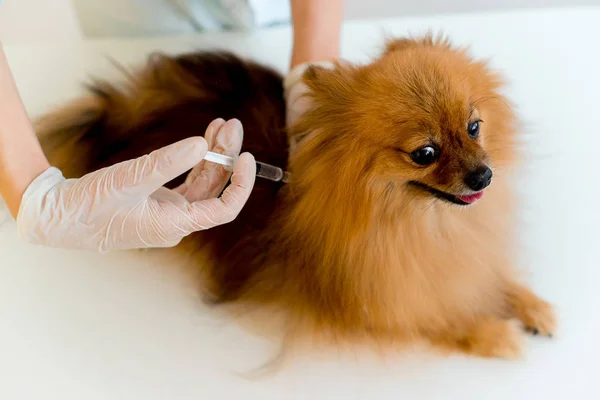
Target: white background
{"points": [[43, 19], [130, 326]]}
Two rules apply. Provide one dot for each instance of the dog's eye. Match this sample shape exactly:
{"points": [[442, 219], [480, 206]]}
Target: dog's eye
{"points": [[425, 155], [473, 129]]}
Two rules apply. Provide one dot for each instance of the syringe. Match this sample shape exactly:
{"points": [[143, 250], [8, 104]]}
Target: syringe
{"points": [[263, 170]]}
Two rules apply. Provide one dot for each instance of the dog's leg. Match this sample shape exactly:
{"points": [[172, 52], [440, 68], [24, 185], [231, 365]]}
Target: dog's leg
{"points": [[501, 336], [491, 338], [536, 315]]}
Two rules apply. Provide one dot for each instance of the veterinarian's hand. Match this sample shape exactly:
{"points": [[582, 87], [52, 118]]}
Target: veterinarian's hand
{"points": [[295, 91], [296, 99], [125, 206], [316, 41], [208, 179]]}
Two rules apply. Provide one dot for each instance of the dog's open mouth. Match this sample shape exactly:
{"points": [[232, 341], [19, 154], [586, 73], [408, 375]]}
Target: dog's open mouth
{"points": [[461, 200], [471, 198]]}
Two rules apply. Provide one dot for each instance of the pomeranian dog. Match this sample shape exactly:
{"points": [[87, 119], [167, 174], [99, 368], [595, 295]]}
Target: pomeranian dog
{"points": [[397, 223]]}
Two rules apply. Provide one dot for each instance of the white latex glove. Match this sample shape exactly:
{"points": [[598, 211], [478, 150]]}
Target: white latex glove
{"points": [[208, 179], [125, 206]]}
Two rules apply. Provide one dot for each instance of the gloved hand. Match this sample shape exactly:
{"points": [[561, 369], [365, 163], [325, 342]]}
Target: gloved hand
{"points": [[295, 90], [125, 206], [208, 179]]}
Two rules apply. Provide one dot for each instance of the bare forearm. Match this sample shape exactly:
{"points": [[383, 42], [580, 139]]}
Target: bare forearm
{"points": [[21, 156], [317, 25]]}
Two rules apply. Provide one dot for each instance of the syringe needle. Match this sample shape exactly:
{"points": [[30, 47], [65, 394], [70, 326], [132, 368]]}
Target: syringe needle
{"points": [[263, 170]]}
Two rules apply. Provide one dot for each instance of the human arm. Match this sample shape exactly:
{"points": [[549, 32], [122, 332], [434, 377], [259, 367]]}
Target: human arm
{"points": [[316, 30], [21, 156], [316, 35]]}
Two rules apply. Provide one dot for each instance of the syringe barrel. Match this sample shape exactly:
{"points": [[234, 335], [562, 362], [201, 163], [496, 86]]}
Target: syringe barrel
{"points": [[268, 171]]}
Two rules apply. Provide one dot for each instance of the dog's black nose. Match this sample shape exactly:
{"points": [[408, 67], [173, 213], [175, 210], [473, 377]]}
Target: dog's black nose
{"points": [[479, 179]]}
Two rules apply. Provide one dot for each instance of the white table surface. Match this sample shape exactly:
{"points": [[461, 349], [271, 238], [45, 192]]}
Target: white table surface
{"points": [[130, 326]]}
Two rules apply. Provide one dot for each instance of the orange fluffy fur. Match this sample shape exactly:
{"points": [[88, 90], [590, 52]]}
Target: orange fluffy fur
{"points": [[351, 249], [386, 261]]}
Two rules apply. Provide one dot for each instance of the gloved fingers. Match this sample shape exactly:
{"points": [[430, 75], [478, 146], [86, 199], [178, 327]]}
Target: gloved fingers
{"points": [[298, 103], [209, 179], [160, 219], [216, 211], [146, 174], [295, 90], [212, 131], [228, 141], [209, 135]]}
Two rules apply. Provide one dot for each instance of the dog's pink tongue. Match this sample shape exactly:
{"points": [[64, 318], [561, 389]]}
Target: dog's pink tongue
{"points": [[471, 198]]}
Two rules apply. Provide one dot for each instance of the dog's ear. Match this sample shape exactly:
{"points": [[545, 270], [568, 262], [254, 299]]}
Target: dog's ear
{"points": [[330, 82], [320, 73], [429, 40], [326, 92], [392, 45], [310, 85]]}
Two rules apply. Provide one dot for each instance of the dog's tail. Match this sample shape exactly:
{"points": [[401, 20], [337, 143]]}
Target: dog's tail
{"points": [[112, 123], [64, 134], [169, 99]]}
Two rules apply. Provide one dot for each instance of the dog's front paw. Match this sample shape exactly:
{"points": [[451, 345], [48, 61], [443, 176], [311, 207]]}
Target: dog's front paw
{"points": [[537, 315], [539, 318]]}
